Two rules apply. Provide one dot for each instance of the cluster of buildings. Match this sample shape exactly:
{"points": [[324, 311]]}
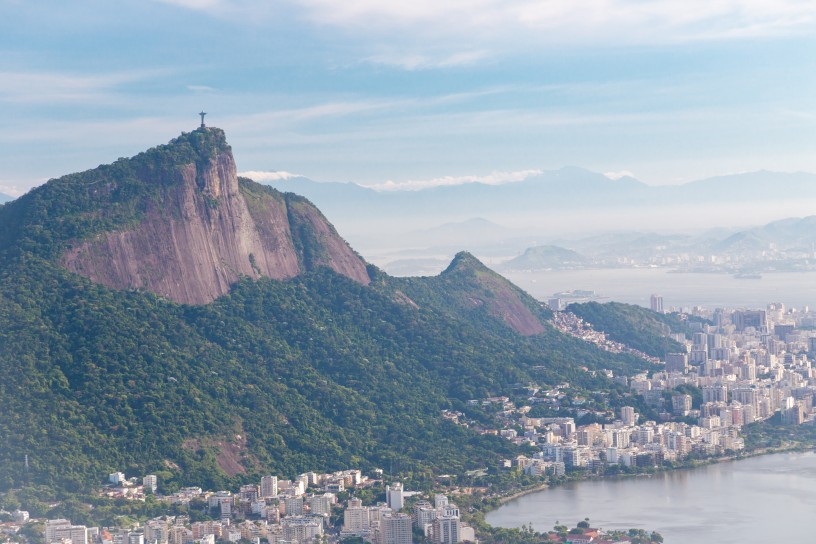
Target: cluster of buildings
{"points": [[179, 529], [120, 487], [276, 511], [386, 524], [249, 500], [748, 366], [626, 442]]}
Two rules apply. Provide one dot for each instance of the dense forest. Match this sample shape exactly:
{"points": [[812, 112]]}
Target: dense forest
{"points": [[316, 372]]}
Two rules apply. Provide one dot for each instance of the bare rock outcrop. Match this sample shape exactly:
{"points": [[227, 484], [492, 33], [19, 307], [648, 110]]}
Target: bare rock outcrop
{"points": [[203, 229]]}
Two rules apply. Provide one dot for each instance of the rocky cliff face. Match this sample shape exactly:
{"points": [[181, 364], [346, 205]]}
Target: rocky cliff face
{"points": [[201, 229]]}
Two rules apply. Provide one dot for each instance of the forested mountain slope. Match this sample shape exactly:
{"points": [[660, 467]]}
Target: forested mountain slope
{"points": [[318, 369]]}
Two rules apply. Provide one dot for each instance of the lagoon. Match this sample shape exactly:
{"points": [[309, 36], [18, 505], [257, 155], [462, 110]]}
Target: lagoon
{"points": [[770, 498]]}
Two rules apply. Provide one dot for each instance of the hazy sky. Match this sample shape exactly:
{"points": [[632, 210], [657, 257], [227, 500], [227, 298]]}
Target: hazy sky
{"points": [[419, 91]]}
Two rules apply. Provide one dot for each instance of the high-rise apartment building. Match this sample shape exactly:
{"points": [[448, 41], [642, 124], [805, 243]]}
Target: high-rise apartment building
{"points": [[156, 531], [394, 496], [269, 487], [628, 415], [677, 362], [356, 518], [447, 530], [150, 483], [656, 303], [395, 529], [293, 505], [742, 319], [424, 514], [321, 504]]}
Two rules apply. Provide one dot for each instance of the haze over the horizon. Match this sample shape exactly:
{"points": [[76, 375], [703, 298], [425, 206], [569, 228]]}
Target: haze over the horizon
{"points": [[414, 94]]}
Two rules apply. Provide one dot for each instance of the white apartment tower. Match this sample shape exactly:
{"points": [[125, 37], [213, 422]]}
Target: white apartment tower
{"points": [[150, 483], [356, 518], [321, 504], [394, 496], [424, 514]]}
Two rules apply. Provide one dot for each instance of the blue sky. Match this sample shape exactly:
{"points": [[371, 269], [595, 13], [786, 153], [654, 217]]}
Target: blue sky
{"points": [[413, 94]]}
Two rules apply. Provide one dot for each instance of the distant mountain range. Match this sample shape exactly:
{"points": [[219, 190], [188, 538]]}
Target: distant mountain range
{"points": [[784, 245], [553, 208], [567, 188], [5, 198], [787, 244]]}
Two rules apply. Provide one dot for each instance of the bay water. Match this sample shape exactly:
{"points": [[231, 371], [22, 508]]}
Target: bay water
{"points": [[635, 285]]}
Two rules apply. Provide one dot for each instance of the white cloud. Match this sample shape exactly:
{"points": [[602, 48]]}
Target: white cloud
{"points": [[625, 21], [262, 176], [465, 32], [494, 178], [200, 89], [417, 61], [195, 4], [618, 175]]}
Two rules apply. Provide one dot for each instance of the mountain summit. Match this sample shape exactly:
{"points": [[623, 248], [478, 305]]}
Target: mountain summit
{"points": [[470, 284], [176, 220]]}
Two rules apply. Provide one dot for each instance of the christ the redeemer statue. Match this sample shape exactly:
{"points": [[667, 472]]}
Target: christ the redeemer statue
{"points": [[202, 114]]}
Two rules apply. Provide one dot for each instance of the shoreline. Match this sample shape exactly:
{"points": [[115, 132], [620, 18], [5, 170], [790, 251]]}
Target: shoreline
{"points": [[524, 514], [535, 488], [504, 499]]}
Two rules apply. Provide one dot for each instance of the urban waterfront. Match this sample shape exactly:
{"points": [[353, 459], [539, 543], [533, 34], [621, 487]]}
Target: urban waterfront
{"points": [[762, 499], [634, 285]]}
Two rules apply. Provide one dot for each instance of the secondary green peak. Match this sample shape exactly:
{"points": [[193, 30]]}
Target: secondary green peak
{"points": [[465, 262], [470, 285]]}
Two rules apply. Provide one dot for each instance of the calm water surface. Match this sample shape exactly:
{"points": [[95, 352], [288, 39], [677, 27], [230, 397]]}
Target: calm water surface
{"points": [[635, 285], [763, 499]]}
